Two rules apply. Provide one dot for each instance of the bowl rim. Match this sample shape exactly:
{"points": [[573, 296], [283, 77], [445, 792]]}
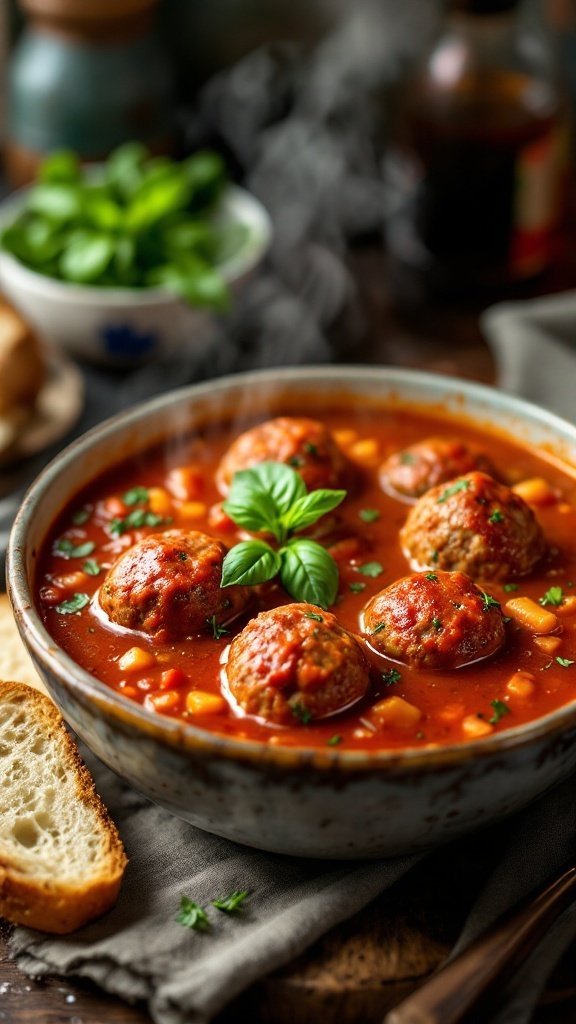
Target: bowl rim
{"points": [[235, 199], [192, 738]]}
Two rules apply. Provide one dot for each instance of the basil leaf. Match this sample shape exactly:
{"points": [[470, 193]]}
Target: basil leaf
{"points": [[124, 168], [69, 550], [61, 166], [101, 211], [310, 507], [154, 200], [284, 485], [206, 176], [309, 573], [190, 236], [86, 257], [250, 562], [73, 605], [254, 510], [59, 203]]}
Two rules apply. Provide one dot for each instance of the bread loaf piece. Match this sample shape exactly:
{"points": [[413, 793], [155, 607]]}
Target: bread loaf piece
{"points": [[61, 858], [22, 366]]}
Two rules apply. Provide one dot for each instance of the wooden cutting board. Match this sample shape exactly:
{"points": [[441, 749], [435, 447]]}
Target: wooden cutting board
{"points": [[353, 975]]}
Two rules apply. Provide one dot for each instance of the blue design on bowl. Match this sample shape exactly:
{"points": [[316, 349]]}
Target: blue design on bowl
{"points": [[122, 340]]}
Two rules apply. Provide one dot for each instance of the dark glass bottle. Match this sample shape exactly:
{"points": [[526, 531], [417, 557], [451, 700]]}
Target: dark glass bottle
{"points": [[474, 167]]}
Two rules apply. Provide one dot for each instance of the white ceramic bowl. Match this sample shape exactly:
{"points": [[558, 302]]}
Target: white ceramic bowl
{"points": [[321, 802], [128, 325]]}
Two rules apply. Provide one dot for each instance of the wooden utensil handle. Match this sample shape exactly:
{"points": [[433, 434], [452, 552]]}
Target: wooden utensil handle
{"points": [[454, 989]]}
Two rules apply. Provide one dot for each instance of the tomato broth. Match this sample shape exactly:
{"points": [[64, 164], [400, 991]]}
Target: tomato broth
{"points": [[530, 675]]}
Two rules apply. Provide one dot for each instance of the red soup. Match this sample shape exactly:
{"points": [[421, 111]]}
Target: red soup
{"points": [[394, 581]]}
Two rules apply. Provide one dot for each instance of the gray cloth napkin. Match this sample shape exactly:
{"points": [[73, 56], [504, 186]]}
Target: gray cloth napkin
{"points": [[139, 952]]}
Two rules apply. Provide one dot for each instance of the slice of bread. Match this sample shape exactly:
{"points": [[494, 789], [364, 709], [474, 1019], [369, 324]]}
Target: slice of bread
{"points": [[22, 364], [61, 858]]}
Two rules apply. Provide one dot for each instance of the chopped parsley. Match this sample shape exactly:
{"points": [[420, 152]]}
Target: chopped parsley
{"points": [[460, 485], [372, 569], [302, 713], [310, 448], [378, 628], [81, 516], [500, 709], [496, 516], [74, 604], [553, 596], [437, 623], [434, 557], [70, 550], [136, 496], [509, 588], [182, 556], [564, 662], [134, 521], [192, 915], [391, 676], [489, 602], [313, 615], [407, 458], [357, 588], [91, 567], [232, 903], [369, 515], [432, 577], [334, 741], [217, 631]]}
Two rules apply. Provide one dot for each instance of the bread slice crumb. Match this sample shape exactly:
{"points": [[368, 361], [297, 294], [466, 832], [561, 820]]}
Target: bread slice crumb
{"points": [[61, 858]]}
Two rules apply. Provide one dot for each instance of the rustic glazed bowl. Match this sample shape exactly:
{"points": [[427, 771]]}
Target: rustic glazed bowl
{"points": [[128, 326], [317, 803]]}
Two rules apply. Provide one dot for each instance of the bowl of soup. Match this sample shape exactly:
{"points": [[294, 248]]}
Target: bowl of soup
{"points": [[328, 612]]}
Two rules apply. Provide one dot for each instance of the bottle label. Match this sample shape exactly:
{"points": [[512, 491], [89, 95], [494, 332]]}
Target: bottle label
{"points": [[537, 201]]}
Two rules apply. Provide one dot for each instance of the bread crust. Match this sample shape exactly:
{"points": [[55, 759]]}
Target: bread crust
{"points": [[49, 904]]}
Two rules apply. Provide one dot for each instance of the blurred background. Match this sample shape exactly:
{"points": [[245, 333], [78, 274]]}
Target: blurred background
{"points": [[415, 161]]}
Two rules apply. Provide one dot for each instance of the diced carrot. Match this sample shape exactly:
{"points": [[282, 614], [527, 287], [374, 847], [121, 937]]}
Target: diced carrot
{"points": [[136, 659], [451, 713], [159, 502], [344, 437], [531, 615], [128, 691], [521, 685], [71, 581], [365, 450], [198, 702], [474, 727], [536, 491], [186, 483], [548, 644], [172, 678], [397, 712], [163, 701], [112, 508], [192, 510], [568, 606]]}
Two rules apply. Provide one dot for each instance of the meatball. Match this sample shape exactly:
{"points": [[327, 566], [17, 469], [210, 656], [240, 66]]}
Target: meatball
{"points": [[304, 444], [296, 663], [474, 525], [168, 585], [438, 620], [411, 472]]}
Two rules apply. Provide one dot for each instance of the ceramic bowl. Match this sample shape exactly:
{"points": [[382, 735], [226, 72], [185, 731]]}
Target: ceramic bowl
{"points": [[122, 326], [322, 803]]}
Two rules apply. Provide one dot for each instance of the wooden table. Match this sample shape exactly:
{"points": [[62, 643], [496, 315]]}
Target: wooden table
{"points": [[365, 966]]}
